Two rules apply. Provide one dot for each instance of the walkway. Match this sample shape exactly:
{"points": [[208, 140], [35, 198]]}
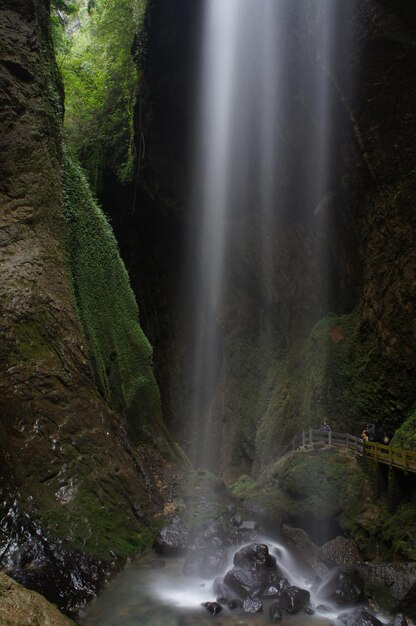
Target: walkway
{"points": [[389, 455]]}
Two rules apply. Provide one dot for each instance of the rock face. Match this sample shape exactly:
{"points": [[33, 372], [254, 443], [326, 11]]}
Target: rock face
{"points": [[19, 606], [392, 584], [66, 455]]}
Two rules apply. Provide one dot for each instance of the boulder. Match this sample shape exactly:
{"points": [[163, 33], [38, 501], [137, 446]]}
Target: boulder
{"points": [[212, 607], [339, 551], [173, 539], [293, 599], [245, 582], [397, 582], [359, 617], [255, 556], [300, 540], [252, 605], [235, 603], [345, 588]]}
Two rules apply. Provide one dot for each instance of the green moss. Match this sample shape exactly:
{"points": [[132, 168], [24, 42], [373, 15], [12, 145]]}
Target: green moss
{"points": [[405, 436], [119, 351], [244, 487]]}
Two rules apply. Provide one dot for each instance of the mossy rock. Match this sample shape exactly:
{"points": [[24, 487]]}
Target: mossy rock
{"points": [[119, 351]]}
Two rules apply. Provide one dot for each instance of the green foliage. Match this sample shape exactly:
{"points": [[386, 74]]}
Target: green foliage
{"points": [[120, 353], [244, 487], [405, 436], [101, 79]]}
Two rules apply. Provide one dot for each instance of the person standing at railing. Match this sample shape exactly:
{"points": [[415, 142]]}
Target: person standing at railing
{"points": [[364, 436], [326, 428]]}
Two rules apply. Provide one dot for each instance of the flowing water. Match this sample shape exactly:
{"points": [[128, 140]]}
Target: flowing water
{"points": [[154, 592]]}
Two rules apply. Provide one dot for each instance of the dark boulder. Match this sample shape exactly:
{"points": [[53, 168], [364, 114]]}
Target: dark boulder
{"points": [[293, 599], [359, 617], [173, 539], [252, 605], [399, 620], [213, 607], [275, 612], [246, 582], [235, 603], [255, 556], [345, 588]]}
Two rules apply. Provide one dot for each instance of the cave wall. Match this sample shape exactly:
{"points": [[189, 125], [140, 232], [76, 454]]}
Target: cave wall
{"points": [[348, 356], [77, 390]]}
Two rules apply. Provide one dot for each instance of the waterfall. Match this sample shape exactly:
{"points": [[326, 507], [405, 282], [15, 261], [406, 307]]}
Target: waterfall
{"points": [[261, 160]]}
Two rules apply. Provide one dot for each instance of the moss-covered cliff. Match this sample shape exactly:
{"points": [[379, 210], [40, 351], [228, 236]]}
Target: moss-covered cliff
{"points": [[76, 384]]}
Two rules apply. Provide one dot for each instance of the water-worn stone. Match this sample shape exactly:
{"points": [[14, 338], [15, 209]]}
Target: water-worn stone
{"points": [[173, 539], [293, 599], [345, 588], [252, 605], [235, 603], [246, 582], [359, 617], [255, 557], [213, 607]]}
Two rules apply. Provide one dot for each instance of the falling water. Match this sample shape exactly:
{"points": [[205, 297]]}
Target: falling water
{"points": [[255, 167]]}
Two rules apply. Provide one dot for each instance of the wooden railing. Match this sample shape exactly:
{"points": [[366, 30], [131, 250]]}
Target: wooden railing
{"points": [[381, 453]]}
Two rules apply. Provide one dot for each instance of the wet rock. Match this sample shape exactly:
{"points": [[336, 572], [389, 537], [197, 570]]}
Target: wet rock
{"points": [[399, 620], [308, 610], [277, 584], [246, 582], [252, 605], [340, 551], [293, 599], [235, 603], [359, 617], [397, 582], [345, 588], [300, 540], [173, 539], [213, 607], [255, 557], [275, 612]]}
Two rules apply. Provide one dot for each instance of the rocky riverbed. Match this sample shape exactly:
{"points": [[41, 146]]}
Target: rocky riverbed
{"points": [[229, 571]]}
